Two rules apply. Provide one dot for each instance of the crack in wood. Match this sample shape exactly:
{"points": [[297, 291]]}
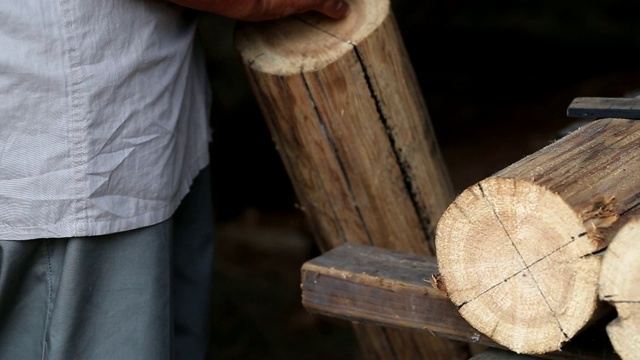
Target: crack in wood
{"points": [[555, 316], [517, 273], [403, 164], [321, 29], [343, 170]]}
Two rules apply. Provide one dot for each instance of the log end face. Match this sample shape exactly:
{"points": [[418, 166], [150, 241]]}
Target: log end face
{"points": [[306, 42], [618, 285], [625, 338], [620, 271], [515, 259]]}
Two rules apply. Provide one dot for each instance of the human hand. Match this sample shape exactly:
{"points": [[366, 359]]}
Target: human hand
{"points": [[259, 10]]}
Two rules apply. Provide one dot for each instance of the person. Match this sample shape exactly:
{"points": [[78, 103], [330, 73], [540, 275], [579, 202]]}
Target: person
{"points": [[106, 239]]}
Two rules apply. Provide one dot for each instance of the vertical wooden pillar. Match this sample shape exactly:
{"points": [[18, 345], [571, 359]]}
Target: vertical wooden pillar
{"points": [[347, 116]]}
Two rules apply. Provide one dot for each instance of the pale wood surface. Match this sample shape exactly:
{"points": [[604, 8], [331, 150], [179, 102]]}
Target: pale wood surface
{"points": [[372, 285], [619, 285], [350, 124], [515, 250]]}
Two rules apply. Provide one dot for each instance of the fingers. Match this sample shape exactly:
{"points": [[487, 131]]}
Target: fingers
{"points": [[257, 10], [336, 9]]}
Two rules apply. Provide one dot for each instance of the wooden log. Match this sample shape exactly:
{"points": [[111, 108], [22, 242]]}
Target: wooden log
{"points": [[347, 116], [518, 250], [618, 285], [368, 284]]}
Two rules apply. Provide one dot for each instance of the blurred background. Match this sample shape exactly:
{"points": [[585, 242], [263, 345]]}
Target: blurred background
{"points": [[497, 77]]}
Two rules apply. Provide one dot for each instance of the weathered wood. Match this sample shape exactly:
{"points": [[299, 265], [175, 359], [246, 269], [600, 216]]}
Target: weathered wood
{"points": [[347, 116], [498, 354], [603, 107], [517, 251], [619, 279], [368, 284]]}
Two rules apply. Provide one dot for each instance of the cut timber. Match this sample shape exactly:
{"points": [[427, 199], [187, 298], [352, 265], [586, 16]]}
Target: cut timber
{"points": [[619, 279], [368, 284], [516, 251], [347, 116], [498, 354]]}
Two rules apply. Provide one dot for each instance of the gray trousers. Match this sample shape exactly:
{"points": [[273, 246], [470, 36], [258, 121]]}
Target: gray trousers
{"points": [[143, 294]]}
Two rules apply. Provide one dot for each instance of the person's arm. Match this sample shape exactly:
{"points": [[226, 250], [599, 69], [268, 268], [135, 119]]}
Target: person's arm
{"points": [[258, 10]]}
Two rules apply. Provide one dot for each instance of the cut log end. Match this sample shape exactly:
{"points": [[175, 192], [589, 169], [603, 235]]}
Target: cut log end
{"points": [[504, 247], [307, 42], [618, 285]]}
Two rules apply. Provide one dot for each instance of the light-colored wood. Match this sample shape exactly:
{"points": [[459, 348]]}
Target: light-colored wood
{"points": [[619, 285], [518, 250], [347, 116], [371, 285]]}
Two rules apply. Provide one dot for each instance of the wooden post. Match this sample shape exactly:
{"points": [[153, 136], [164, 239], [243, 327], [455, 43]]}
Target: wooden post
{"points": [[518, 251], [347, 116], [619, 278]]}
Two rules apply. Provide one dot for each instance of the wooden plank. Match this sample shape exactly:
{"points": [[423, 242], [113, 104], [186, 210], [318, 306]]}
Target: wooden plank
{"points": [[604, 107], [499, 354], [367, 284]]}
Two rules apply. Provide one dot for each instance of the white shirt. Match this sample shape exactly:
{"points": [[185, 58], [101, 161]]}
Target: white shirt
{"points": [[104, 109]]}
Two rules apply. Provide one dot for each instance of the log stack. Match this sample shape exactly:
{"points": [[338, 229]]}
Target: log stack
{"points": [[520, 253]]}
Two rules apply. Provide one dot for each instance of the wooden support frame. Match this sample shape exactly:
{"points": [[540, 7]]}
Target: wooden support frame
{"points": [[368, 284]]}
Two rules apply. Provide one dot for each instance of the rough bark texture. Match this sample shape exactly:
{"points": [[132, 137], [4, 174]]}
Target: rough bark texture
{"points": [[619, 279], [517, 251], [347, 116]]}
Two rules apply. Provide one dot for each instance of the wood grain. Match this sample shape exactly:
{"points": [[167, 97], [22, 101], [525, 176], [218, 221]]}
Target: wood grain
{"points": [[518, 251], [618, 285], [372, 285], [603, 107], [348, 119]]}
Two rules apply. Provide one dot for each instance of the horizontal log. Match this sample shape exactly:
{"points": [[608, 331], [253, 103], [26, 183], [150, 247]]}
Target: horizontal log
{"points": [[519, 250], [368, 284]]}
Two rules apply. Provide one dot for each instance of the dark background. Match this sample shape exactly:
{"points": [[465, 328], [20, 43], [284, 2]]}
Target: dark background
{"points": [[497, 77]]}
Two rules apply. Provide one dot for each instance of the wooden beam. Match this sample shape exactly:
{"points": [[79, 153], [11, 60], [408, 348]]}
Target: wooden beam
{"points": [[498, 354], [603, 107], [367, 284], [385, 287]]}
